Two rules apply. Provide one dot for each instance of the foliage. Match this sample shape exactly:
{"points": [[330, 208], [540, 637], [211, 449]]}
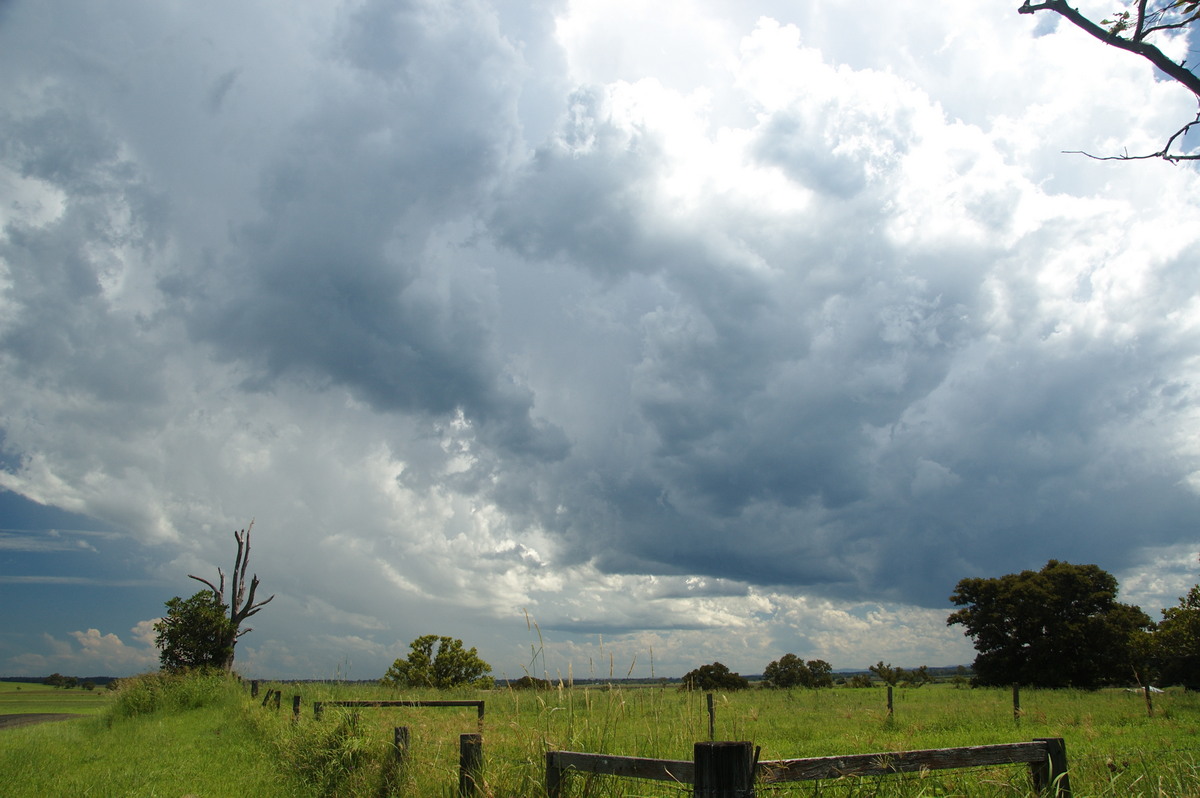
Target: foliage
{"points": [[195, 633], [886, 673], [1175, 643], [916, 678], [439, 662], [528, 682], [713, 677], [859, 680], [1130, 29], [1058, 627], [60, 681], [791, 671]]}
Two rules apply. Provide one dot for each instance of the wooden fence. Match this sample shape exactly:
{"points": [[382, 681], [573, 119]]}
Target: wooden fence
{"points": [[318, 706], [729, 770], [470, 746]]}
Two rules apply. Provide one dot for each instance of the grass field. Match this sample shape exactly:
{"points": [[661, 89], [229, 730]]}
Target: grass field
{"points": [[21, 698], [213, 740]]}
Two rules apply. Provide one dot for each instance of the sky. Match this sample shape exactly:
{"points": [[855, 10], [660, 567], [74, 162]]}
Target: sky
{"points": [[610, 338]]}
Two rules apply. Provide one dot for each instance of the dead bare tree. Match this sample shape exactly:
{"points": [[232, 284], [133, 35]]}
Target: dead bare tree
{"points": [[241, 605], [1129, 30]]}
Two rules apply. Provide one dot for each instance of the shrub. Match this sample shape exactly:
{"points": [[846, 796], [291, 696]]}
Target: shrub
{"points": [[165, 691]]}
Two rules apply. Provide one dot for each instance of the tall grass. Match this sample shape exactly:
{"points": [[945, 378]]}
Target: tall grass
{"points": [[1114, 748], [204, 735]]}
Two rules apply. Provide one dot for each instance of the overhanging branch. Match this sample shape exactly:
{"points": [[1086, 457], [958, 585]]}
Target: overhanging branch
{"points": [[1137, 45]]}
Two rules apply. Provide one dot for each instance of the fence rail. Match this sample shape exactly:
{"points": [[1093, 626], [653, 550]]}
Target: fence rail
{"points": [[1046, 758], [318, 706]]}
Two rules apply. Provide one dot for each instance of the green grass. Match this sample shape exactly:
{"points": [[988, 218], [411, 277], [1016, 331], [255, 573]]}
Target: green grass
{"points": [[210, 739], [193, 738], [23, 698]]}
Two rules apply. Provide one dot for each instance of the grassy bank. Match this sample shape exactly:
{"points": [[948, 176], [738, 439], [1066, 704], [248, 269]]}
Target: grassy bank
{"points": [[211, 739], [154, 738]]}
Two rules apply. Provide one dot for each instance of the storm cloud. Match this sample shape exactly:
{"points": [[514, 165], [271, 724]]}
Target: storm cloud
{"points": [[718, 332]]}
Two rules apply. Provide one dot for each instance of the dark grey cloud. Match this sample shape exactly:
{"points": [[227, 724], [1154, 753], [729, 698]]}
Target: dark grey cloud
{"points": [[342, 281], [836, 422]]}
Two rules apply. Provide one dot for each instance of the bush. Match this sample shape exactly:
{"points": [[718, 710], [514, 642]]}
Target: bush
{"points": [[713, 677], [165, 691]]}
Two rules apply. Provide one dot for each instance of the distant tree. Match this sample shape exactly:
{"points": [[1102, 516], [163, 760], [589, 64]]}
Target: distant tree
{"points": [[791, 671], [859, 680], [1058, 627], [55, 680], [713, 677], [528, 682], [113, 684], [439, 662], [886, 673], [241, 605], [787, 671], [961, 677], [822, 673], [195, 633], [1175, 643], [916, 678], [88, 685], [1130, 30]]}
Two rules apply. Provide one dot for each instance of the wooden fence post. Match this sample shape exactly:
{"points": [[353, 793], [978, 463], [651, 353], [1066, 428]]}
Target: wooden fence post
{"points": [[554, 776], [890, 704], [712, 717], [295, 709], [1149, 703], [278, 696], [400, 740], [254, 688], [1050, 777], [724, 770], [470, 763]]}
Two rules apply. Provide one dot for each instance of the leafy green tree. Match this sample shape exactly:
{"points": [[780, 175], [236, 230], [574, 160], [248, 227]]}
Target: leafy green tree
{"points": [[1175, 643], [713, 677], [916, 678], [439, 662], [1058, 627], [886, 673], [55, 680], [1130, 30], [195, 633], [791, 671], [859, 680]]}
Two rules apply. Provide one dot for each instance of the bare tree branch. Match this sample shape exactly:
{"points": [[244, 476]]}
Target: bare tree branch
{"points": [[1136, 44], [1151, 53], [1165, 153], [241, 606]]}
